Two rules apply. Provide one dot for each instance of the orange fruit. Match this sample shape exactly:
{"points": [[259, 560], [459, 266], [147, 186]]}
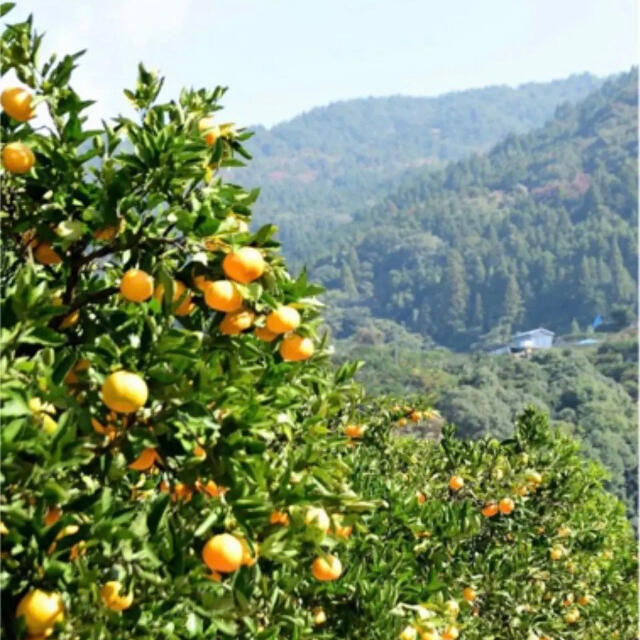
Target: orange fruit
{"points": [[145, 460], [17, 157], [181, 492], [326, 568], [572, 616], [506, 506], [555, 553], [469, 594], [209, 129], [222, 295], [244, 265], [489, 510], [319, 616], [283, 319], [409, 633], [223, 553], [136, 285], [45, 254], [16, 103], [124, 392], [236, 322], [296, 348], [180, 292], [402, 422], [354, 430], [80, 366], [421, 497], [456, 483], [415, 416], [341, 530], [262, 333], [41, 610], [212, 489], [199, 452], [450, 633], [110, 593], [318, 518], [279, 517], [200, 281]]}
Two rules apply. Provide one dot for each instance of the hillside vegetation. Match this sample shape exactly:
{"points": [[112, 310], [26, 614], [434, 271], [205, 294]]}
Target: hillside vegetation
{"points": [[318, 168], [540, 231], [589, 393]]}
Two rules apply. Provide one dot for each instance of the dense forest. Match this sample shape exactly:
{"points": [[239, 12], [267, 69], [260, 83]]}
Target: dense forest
{"points": [[589, 392], [317, 169], [540, 231]]}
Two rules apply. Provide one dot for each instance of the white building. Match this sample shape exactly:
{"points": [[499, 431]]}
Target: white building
{"points": [[535, 339]]}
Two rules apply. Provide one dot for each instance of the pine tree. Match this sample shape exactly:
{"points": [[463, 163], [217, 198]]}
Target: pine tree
{"points": [[513, 306]]}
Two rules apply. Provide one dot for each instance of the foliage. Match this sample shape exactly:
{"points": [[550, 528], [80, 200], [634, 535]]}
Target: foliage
{"points": [[319, 168], [111, 509], [482, 394], [540, 231]]}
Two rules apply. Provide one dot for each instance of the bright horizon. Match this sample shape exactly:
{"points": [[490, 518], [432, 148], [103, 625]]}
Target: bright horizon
{"points": [[283, 58]]}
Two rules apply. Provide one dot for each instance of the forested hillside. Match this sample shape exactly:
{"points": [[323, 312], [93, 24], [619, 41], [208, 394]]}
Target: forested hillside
{"points": [[589, 393], [321, 166], [540, 231]]}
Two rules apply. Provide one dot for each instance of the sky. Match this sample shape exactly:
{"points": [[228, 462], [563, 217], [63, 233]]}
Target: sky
{"points": [[282, 57]]}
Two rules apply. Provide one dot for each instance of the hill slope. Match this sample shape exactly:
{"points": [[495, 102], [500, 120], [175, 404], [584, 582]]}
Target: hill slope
{"points": [[323, 164], [540, 231]]}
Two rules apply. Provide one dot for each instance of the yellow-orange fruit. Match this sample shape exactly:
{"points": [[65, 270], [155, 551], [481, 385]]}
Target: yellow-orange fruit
{"points": [[145, 460], [222, 295], [17, 157], [415, 416], [262, 333], [456, 483], [319, 616], [244, 265], [209, 129], [506, 506], [283, 319], [16, 103], [279, 517], [318, 518], [326, 568], [450, 633], [124, 392], [236, 322], [354, 430], [41, 610], [180, 292], [249, 558], [136, 285], [200, 281], [45, 254], [296, 348], [489, 510], [223, 553], [110, 593], [469, 594]]}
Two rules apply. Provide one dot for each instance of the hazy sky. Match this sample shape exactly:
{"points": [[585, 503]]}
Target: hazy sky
{"points": [[282, 57]]}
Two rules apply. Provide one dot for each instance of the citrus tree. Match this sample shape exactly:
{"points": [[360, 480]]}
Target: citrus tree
{"points": [[181, 460]]}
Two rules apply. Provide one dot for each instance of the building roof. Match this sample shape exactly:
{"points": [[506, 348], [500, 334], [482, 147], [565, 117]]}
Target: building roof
{"points": [[532, 332]]}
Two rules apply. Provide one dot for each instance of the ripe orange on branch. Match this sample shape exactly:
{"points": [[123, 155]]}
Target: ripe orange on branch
{"points": [[112, 598], [456, 483], [210, 130], [17, 157], [262, 333], [124, 392], [41, 611], [506, 506], [296, 348], [136, 285], [244, 265], [283, 319], [180, 292], [16, 103], [326, 568], [223, 553], [221, 295], [236, 322], [46, 254]]}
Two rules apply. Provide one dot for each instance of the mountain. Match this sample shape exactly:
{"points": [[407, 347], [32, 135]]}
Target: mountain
{"points": [[322, 165], [540, 231]]}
